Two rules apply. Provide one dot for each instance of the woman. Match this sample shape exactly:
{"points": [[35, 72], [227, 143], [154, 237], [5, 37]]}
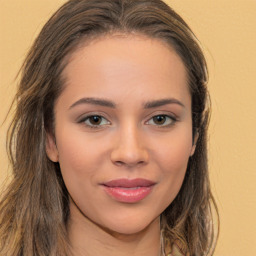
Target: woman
{"points": [[108, 142]]}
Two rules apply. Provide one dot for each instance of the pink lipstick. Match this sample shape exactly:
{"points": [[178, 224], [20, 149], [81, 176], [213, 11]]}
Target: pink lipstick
{"points": [[129, 191]]}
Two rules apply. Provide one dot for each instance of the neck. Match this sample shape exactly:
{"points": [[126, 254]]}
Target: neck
{"points": [[89, 239]]}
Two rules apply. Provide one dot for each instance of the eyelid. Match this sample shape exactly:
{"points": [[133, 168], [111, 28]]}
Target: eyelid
{"points": [[85, 115], [172, 117], [82, 119]]}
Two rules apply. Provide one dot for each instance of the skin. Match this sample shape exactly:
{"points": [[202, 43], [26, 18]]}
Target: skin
{"points": [[129, 71]]}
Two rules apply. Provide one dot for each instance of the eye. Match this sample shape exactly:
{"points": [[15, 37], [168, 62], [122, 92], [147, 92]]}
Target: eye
{"points": [[94, 121], [162, 120]]}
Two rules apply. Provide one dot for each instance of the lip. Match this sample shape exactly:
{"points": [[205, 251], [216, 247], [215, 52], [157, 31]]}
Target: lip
{"points": [[128, 191]]}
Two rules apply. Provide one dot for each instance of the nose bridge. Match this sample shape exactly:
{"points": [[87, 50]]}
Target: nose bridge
{"points": [[129, 148]]}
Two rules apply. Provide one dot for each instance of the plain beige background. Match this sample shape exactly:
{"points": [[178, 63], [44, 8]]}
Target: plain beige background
{"points": [[227, 30]]}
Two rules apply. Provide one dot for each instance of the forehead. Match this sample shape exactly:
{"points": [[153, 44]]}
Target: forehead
{"points": [[121, 64]]}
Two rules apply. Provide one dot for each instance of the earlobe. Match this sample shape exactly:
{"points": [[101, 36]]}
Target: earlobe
{"points": [[194, 144], [51, 148], [193, 150]]}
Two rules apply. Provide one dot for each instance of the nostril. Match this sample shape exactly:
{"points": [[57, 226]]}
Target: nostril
{"points": [[119, 163], [129, 164]]}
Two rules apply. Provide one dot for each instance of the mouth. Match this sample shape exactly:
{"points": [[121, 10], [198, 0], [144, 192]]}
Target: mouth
{"points": [[128, 191]]}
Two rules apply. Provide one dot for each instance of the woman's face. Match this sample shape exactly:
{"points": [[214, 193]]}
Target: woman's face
{"points": [[123, 131]]}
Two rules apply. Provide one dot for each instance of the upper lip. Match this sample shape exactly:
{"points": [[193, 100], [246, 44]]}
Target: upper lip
{"points": [[129, 183]]}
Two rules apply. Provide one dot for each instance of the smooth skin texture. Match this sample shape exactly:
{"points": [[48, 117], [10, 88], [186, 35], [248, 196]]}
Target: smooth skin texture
{"points": [[125, 112]]}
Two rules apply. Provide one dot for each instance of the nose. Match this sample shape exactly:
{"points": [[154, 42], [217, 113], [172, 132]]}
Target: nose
{"points": [[129, 148]]}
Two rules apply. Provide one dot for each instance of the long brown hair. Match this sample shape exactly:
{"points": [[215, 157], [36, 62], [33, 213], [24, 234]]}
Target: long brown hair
{"points": [[35, 207]]}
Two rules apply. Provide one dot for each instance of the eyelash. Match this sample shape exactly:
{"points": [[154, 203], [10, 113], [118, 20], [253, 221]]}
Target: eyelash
{"points": [[93, 126], [172, 120]]}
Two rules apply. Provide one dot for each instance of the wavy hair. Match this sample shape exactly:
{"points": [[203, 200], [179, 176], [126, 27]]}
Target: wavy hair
{"points": [[34, 208]]}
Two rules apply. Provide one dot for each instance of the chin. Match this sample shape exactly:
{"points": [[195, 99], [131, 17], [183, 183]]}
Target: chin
{"points": [[130, 226]]}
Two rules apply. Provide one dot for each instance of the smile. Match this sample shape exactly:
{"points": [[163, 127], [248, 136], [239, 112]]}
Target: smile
{"points": [[128, 191]]}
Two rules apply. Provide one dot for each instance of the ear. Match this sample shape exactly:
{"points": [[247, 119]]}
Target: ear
{"points": [[51, 148], [194, 144]]}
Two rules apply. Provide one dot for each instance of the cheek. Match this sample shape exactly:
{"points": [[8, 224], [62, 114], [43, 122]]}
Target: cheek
{"points": [[176, 157], [74, 149], [78, 159], [172, 160], [174, 150], [79, 165]]}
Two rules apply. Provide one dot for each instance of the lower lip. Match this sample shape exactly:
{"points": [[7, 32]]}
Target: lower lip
{"points": [[128, 195]]}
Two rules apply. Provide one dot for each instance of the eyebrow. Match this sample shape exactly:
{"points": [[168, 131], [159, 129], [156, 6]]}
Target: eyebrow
{"points": [[162, 102], [108, 103], [94, 101]]}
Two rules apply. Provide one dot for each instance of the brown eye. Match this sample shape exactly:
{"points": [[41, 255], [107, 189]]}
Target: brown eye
{"points": [[159, 120], [95, 120], [162, 120]]}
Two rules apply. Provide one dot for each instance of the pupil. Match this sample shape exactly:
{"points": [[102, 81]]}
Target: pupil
{"points": [[159, 119], [95, 120]]}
